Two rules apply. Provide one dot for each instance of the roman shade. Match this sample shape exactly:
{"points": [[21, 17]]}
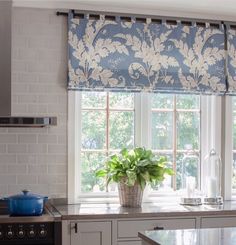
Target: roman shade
{"points": [[136, 54], [231, 58]]}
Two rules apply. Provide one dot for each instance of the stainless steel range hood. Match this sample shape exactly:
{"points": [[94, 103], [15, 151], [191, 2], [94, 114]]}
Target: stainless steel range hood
{"points": [[6, 118]]}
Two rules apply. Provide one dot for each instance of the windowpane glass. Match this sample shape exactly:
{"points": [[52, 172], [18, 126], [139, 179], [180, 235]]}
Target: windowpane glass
{"points": [[166, 185], [176, 130], [188, 128], [93, 129], [187, 164], [121, 130], [162, 135], [106, 128], [121, 100], [187, 102], [93, 100], [91, 162], [160, 101]]}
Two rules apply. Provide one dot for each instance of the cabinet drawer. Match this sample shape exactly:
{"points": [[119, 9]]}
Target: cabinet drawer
{"points": [[130, 228], [218, 222], [130, 243]]}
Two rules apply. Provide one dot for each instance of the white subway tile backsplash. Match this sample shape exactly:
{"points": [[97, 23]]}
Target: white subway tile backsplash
{"points": [[46, 159], [7, 159], [36, 158], [3, 169], [20, 88], [22, 108], [45, 99], [3, 190], [52, 179], [34, 188], [36, 109], [6, 138], [57, 189], [27, 138], [27, 159], [38, 169], [37, 148], [26, 77], [7, 178], [62, 139], [50, 139], [17, 148], [27, 179], [19, 66], [57, 149], [3, 148], [17, 169], [56, 169], [25, 54]]}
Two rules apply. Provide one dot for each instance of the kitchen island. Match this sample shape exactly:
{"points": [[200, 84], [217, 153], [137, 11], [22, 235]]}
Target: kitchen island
{"points": [[213, 236]]}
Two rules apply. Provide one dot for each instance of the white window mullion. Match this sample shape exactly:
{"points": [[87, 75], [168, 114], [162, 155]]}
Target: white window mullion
{"points": [[228, 174], [146, 120], [210, 128], [137, 119]]}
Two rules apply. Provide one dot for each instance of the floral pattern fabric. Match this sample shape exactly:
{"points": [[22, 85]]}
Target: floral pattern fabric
{"points": [[134, 56], [231, 59]]}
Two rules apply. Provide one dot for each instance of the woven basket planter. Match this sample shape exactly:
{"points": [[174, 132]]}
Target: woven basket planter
{"points": [[130, 196]]}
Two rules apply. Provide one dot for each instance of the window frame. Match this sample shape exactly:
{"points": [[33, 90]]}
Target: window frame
{"points": [[211, 111], [229, 194]]}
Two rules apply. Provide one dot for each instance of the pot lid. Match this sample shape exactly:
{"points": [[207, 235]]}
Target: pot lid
{"points": [[26, 195]]}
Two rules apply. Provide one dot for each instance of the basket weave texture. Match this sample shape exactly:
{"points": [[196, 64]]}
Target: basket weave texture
{"points": [[130, 196]]}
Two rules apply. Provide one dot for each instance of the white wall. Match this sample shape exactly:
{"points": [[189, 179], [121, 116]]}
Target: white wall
{"points": [[36, 158], [201, 9]]}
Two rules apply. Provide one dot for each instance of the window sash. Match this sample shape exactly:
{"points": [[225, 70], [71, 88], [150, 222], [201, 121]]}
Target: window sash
{"points": [[142, 136]]}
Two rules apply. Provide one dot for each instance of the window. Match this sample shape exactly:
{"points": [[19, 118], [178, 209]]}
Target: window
{"points": [[175, 132], [107, 126], [102, 123]]}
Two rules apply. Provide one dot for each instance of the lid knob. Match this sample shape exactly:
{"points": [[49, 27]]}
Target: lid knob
{"points": [[25, 192]]}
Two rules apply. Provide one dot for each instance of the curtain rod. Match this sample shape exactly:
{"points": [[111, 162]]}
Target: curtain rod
{"points": [[61, 13], [201, 21]]}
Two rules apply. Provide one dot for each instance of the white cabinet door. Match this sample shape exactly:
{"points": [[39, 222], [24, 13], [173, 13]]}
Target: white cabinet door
{"points": [[90, 233], [218, 222]]}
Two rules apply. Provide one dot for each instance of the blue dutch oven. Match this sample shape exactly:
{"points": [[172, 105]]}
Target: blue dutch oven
{"points": [[26, 204]]}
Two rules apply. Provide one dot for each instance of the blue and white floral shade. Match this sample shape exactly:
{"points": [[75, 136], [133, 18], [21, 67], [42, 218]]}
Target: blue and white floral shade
{"points": [[231, 59], [120, 55]]}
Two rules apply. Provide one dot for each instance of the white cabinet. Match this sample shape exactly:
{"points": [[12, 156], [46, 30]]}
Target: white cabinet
{"points": [[90, 233], [218, 222]]}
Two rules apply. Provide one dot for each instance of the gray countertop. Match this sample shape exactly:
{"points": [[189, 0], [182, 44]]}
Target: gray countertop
{"points": [[216, 236], [93, 211]]}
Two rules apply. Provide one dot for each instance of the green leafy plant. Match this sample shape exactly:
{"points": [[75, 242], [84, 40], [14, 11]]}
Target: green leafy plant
{"points": [[135, 166]]}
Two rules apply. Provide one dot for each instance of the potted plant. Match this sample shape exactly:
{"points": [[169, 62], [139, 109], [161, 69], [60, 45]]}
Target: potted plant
{"points": [[132, 170]]}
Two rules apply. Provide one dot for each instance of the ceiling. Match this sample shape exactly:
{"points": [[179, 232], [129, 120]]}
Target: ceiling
{"points": [[207, 9]]}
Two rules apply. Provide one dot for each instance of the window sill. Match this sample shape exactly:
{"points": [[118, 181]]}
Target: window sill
{"points": [[115, 200]]}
